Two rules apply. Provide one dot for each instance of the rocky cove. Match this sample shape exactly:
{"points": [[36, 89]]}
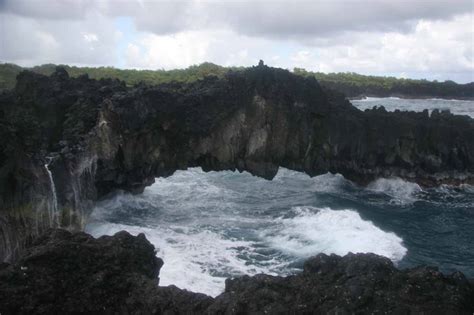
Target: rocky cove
{"points": [[68, 142], [75, 273]]}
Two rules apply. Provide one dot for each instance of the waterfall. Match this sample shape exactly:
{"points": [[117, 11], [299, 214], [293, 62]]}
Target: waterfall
{"points": [[53, 210]]}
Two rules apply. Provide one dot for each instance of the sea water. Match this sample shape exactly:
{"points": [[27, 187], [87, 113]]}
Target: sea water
{"points": [[458, 107], [211, 226]]}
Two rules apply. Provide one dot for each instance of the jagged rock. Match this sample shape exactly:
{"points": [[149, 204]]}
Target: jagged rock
{"points": [[353, 284], [75, 273], [64, 273], [107, 137]]}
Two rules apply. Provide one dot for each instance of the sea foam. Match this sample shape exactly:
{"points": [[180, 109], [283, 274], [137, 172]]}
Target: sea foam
{"points": [[323, 230], [196, 260], [400, 191], [211, 226]]}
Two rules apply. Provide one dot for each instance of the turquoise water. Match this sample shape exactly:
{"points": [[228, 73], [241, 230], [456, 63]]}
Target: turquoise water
{"points": [[210, 226]]}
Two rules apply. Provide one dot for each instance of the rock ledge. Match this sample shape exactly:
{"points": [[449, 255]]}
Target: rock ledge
{"points": [[75, 273]]}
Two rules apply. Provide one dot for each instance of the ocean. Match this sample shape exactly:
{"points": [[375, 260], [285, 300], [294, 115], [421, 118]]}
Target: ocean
{"points": [[458, 107], [211, 226]]}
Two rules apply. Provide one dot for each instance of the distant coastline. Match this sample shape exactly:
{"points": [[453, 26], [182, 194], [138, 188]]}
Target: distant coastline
{"points": [[353, 85], [404, 96]]}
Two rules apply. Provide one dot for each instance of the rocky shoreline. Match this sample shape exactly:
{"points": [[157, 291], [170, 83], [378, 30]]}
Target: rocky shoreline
{"points": [[66, 142], [408, 96], [65, 272]]}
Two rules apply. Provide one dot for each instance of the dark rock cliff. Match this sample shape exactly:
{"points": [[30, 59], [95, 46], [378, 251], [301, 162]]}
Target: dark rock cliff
{"points": [[79, 139], [64, 273]]}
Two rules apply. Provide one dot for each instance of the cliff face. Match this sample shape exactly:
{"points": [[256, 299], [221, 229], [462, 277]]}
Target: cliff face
{"points": [[65, 273], [67, 142], [45, 174]]}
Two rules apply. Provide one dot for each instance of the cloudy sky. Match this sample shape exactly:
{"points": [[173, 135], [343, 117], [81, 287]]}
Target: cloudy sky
{"points": [[431, 39]]}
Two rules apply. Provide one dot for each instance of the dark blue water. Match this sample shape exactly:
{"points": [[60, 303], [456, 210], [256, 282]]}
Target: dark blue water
{"points": [[210, 226]]}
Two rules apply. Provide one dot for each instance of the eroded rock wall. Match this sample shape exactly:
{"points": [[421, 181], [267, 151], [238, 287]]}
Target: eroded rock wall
{"points": [[99, 136]]}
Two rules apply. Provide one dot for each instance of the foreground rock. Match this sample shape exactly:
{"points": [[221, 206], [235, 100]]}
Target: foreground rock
{"points": [[355, 283], [84, 138], [66, 273]]}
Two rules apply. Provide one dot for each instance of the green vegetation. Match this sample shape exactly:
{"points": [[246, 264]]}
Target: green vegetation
{"points": [[8, 73], [349, 83], [355, 85]]}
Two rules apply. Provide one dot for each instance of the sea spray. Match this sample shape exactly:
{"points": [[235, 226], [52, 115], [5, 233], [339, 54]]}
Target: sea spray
{"points": [[305, 230], [400, 191], [210, 226]]}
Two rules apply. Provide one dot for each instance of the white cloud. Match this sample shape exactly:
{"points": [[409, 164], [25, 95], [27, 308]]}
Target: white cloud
{"points": [[434, 47], [433, 50], [193, 47], [28, 41], [264, 18], [432, 39], [90, 37], [168, 51]]}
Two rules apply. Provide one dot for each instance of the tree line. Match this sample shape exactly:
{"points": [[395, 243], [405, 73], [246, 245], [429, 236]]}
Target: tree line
{"points": [[349, 83]]}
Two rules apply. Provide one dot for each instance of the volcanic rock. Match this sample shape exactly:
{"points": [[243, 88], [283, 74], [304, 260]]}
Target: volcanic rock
{"points": [[63, 273], [99, 136]]}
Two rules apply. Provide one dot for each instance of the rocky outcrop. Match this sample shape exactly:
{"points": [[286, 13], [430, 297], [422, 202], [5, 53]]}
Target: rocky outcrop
{"points": [[83, 139], [36, 160], [353, 284], [65, 273]]}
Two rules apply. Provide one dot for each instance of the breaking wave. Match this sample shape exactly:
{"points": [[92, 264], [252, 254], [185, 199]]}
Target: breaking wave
{"points": [[324, 230], [211, 226]]}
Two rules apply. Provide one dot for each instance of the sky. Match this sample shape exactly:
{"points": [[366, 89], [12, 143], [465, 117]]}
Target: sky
{"points": [[432, 39]]}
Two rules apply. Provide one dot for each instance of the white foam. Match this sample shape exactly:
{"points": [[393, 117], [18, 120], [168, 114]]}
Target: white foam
{"points": [[467, 188], [186, 184], [329, 182], [371, 99], [199, 261], [285, 174], [457, 107], [447, 100], [192, 216], [323, 230], [402, 192]]}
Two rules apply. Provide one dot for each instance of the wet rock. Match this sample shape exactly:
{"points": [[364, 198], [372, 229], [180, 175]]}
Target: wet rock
{"points": [[353, 284], [75, 273], [66, 273]]}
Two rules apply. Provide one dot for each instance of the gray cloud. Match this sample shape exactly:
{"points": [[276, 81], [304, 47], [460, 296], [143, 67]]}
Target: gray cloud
{"points": [[48, 9], [431, 38], [29, 41], [280, 19], [159, 17], [261, 18]]}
